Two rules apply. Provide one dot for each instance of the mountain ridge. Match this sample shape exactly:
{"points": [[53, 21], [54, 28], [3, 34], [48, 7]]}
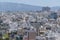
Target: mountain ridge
{"points": [[5, 6]]}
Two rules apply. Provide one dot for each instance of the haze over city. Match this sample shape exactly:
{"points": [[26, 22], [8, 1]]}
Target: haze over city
{"points": [[29, 19], [36, 2]]}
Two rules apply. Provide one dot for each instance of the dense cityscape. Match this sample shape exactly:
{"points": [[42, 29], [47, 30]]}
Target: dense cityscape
{"points": [[37, 25]]}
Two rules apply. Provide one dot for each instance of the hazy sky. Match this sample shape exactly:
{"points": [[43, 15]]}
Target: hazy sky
{"points": [[36, 2]]}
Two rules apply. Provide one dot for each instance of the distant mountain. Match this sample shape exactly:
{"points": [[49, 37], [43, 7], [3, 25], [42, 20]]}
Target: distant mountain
{"points": [[6, 6]]}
